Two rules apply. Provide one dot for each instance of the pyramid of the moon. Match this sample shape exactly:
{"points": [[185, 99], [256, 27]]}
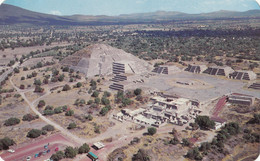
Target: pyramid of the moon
{"points": [[98, 59]]}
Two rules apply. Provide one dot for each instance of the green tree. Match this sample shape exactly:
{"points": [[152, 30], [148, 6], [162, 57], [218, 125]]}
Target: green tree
{"points": [[204, 122], [151, 130], [58, 156], [5, 143], [95, 94], [137, 91], [48, 128], [69, 113], [66, 87], [41, 103], [185, 142], [12, 121], [34, 133], [141, 155], [104, 111], [84, 148], [70, 152], [72, 125]]}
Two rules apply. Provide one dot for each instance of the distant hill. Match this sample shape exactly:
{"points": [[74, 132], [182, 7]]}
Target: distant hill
{"points": [[14, 15]]}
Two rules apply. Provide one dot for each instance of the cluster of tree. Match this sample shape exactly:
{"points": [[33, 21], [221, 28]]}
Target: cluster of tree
{"points": [[190, 44], [50, 110], [34, 133], [5, 143], [12, 121], [255, 119], [204, 122], [123, 99], [30, 117], [217, 143], [70, 152], [141, 155]]}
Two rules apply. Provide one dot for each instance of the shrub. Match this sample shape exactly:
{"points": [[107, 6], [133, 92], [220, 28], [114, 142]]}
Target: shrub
{"points": [[28, 117], [151, 130], [84, 148], [12, 121], [185, 142], [69, 113], [66, 87], [72, 125], [48, 112], [104, 111], [174, 141], [70, 152], [105, 101], [95, 94], [34, 133], [141, 155], [58, 110], [22, 86], [58, 156], [41, 103], [78, 85], [5, 143], [48, 128], [38, 89], [89, 117], [138, 91]]}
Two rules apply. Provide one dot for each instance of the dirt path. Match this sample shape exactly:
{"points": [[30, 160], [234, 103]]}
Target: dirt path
{"points": [[45, 119]]}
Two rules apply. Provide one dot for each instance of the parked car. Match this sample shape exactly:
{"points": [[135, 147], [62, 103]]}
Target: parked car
{"points": [[11, 150], [28, 158], [48, 150], [57, 149]]}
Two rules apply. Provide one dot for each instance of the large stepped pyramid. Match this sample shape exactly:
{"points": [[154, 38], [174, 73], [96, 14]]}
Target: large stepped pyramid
{"points": [[98, 59]]}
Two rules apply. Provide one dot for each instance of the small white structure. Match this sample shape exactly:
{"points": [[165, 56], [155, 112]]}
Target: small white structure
{"points": [[219, 122], [98, 145]]}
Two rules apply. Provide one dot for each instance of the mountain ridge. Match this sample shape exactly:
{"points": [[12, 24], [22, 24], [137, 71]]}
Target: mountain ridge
{"points": [[15, 15]]}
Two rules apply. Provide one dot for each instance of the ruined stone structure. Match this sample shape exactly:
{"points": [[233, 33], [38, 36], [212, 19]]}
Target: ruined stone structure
{"points": [[196, 68], [217, 70], [243, 75], [162, 69]]}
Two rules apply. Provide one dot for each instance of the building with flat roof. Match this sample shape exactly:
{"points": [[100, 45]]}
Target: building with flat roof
{"points": [[98, 145], [241, 99]]}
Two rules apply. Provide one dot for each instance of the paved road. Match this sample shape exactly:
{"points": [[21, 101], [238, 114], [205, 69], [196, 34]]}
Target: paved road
{"points": [[31, 149]]}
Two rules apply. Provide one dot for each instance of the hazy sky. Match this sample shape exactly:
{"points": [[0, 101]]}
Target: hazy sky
{"points": [[116, 7]]}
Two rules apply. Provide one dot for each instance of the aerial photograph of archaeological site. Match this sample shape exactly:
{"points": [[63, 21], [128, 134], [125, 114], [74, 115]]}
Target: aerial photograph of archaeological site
{"points": [[129, 80]]}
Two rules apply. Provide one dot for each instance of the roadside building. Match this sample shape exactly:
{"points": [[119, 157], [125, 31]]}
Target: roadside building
{"points": [[219, 122], [241, 99], [98, 145]]}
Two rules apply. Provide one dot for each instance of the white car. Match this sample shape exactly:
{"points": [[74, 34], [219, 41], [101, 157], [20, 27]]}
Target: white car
{"points": [[11, 150], [28, 158]]}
